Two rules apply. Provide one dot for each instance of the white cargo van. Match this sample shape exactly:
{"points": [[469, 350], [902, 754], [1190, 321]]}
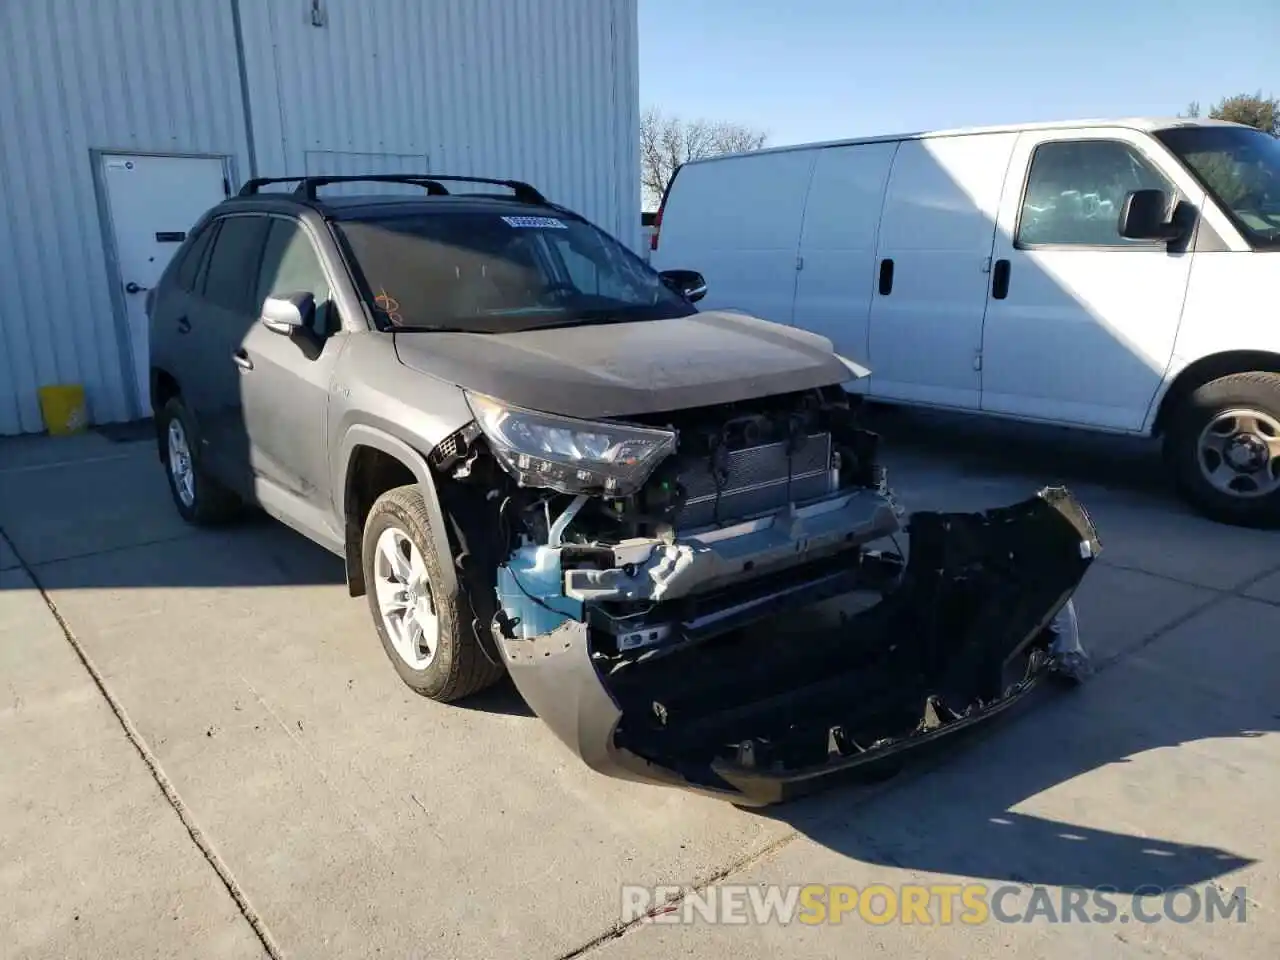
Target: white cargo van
{"points": [[1115, 275]]}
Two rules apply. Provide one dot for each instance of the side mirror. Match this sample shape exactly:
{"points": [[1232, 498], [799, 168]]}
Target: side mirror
{"points": [[688, 283], [1145, 216], [288, 314]]}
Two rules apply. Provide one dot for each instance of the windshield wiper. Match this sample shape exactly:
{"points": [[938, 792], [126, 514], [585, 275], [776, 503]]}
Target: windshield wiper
{"points": [[586, 318], [430, 328]]}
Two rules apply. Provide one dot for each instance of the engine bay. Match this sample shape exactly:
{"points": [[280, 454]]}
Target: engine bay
{"points": [[749, 490], [729, 462]]}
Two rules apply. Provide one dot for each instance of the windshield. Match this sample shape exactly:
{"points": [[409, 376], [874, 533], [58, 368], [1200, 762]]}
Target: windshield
{"points": [[486, 272], [1240, 167]]}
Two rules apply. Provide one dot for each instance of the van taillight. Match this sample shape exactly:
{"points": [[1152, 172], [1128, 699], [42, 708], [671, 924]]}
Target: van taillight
{"points": [[662, 206]]}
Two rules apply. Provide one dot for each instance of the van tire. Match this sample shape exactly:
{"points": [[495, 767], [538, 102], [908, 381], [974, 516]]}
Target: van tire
{"points": [[459, 667], [211, 503], [1255, 393]]}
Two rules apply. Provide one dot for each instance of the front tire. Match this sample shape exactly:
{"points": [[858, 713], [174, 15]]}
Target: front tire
{"points": [[1224, 449], [200, 499], [425, 629]]}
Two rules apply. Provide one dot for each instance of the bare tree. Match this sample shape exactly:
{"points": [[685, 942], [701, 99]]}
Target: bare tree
{"points": [[668, 141]]}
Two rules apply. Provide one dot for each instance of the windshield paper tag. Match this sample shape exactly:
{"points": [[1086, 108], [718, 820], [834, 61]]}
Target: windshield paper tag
{"points": [[543, 223]]}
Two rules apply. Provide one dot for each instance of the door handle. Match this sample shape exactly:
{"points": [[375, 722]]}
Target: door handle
{"points": [[1000, 280], [184, 325], [886, 277], [132, 287], [241, 358]]}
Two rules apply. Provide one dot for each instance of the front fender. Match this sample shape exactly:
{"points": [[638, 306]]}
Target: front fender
{"points": [[359, 435]]}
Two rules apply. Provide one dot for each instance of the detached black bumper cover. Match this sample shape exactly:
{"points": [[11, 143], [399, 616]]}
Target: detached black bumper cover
{"points": [[969, 631]]}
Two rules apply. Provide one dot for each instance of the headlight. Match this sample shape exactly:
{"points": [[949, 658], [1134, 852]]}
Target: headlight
{"points": [[567, 455]]}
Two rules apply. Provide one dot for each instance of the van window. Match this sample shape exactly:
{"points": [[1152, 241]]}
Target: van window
{"points": [[233, 268], [1076, 189], [290, 265], [1240, 167]]}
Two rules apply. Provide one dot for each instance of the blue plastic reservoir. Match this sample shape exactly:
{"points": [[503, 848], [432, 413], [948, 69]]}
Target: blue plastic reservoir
{"points": [[537, 570]]}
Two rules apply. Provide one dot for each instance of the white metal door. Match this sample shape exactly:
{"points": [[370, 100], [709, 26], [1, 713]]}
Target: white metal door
{"points": [[153, 201], [1082, 322], [936, 234]]}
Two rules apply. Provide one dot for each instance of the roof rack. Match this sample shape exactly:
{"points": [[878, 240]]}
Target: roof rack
{"points": [[306, 188]]}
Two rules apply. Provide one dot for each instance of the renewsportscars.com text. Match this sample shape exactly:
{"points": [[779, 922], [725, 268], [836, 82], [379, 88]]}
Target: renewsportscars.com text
{"points": [[930, 904]]}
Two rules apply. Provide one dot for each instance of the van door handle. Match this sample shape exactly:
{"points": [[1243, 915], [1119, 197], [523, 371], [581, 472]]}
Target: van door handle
{"points": [[1000, 280], [241, 358], [886, 277], [184, 325]]}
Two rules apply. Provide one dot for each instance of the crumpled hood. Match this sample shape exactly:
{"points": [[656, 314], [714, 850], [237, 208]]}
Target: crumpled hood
{"points": [[627, 369]]}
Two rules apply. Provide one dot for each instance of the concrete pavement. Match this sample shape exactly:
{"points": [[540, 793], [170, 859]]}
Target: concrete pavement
{"points": [[93, 859], [360, 820]]}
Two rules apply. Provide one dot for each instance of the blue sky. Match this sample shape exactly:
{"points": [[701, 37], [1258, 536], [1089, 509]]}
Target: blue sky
{"points": [[805, 70]]}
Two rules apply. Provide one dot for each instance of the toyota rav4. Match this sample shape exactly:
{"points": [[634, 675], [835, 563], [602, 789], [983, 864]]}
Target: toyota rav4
{"points": [[537, 457]]}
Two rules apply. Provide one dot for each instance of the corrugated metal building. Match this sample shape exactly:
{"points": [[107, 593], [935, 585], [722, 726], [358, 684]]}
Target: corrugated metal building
{"points": [[540, 90]]}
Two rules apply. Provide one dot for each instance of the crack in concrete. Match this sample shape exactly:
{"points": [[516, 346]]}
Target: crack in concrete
{"points": [[1219, 596], [158, 542], [57, 464], [1181, 581], [167, 789]]}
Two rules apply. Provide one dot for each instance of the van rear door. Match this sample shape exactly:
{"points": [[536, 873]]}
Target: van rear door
{"points": [[935, 242], [737, 222], [836, 280]]}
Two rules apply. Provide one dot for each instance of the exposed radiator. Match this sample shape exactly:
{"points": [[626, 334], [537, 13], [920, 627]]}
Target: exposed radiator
{"points": [[758, 479]]}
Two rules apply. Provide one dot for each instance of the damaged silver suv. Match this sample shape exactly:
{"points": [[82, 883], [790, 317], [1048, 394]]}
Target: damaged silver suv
{"points": [[537, 457]]}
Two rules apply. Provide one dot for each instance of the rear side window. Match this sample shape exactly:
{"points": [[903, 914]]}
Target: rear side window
{"points": [[193, 258], [291, 265], [233, 267], [1075, 191]]}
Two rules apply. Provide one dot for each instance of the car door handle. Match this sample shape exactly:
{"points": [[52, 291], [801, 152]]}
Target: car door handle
{"points": [[241, 357], [184, 325], [1000, 280], [886, 277]]}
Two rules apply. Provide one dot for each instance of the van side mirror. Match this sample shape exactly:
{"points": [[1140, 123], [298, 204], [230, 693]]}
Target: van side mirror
{"points": [[288, 314], [1145, 216], [688, 283]]}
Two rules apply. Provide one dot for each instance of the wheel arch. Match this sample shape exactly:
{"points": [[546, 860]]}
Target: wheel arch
{"points": [[370, 458], [164, 387], [1206, 370]]}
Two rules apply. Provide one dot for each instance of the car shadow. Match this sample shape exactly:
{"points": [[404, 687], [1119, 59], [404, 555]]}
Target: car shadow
{"points": [[967, 809], [502, 698]]}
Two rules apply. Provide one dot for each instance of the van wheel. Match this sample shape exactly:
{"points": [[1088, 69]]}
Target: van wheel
{"points": [[1224, 448], [200, 499], [424, 628]]}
